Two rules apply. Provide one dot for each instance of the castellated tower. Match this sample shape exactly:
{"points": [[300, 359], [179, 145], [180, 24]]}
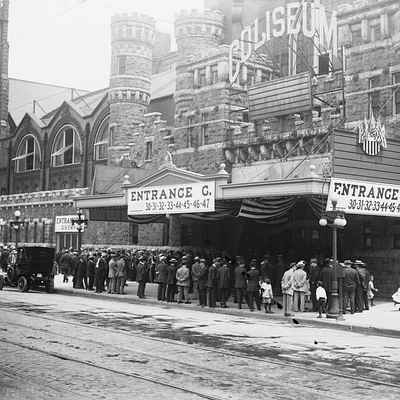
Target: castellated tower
{"points": [[197, 34], [132, 39], [4, 54]]}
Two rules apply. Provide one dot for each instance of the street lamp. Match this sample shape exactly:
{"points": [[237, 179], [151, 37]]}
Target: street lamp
{"points": [[16, 225], [79, 222], [335, 306]]}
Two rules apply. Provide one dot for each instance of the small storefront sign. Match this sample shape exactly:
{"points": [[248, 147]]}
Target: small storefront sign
{"points": [[368, 198], [64, 224], [174, 199]]}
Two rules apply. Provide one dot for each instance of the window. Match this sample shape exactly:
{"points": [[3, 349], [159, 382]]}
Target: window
{"points": [[191, 137], [367, 235], [204, 129], [396, 235], [323, 64], [66, 148], [374, 100], [121, 65], [28, 155], [149, 150], [102, 141], [396, 94]]}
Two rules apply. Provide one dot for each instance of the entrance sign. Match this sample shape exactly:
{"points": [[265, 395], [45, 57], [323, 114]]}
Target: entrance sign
{"points": [[63, 224], [368, 198], [308, 18], [175, 199]]}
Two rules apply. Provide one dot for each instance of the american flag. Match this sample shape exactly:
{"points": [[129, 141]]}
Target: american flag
{"points": [[372, 135]]}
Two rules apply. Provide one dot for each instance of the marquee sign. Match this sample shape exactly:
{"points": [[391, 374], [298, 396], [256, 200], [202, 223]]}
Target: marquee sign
{"points": [[308, 18], [368, 198], [64, 225], [175, 199], [372, 136]]}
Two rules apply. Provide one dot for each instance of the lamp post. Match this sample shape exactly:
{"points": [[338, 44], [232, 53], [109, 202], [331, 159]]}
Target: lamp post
{"points": [[16, 225], [79, 222], [335, 306]]}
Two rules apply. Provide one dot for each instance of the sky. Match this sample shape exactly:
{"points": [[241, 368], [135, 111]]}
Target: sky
{"points": [[67, 42]]}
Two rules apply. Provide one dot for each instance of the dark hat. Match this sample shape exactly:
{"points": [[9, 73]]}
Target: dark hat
{"points": [[313, 260], [203, 260]]}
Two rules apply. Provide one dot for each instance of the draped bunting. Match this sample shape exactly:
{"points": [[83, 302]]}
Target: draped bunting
{"points": [[317, 204]]}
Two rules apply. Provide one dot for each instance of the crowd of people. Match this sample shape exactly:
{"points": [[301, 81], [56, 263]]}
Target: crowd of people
{"points": [[211, 279]]}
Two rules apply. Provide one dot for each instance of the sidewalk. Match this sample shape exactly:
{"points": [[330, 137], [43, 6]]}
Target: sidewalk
{"points": [[383, 319]]}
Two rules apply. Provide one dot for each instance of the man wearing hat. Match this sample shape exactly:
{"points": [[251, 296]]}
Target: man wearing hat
{"points": [[141, 277], [171, 280], [350, 282], [99, 272], [202, 280], [161, 278], [299, 287], [112, 273], [195, 277], [327, 278], [313, 277], [279, 269], [359, 267], [287, 289], [212, 284], [65, 265]]}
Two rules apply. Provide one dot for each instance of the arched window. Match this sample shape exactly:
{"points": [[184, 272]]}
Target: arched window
{"points": [[102, 141], [66, 148], [28, 155], [65, 185]]}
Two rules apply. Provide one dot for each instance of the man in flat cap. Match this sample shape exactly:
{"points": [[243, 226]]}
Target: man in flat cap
{"points": [[350, 282]]}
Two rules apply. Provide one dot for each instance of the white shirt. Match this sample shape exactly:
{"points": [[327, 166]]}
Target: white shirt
{"points": [[320, 293]]}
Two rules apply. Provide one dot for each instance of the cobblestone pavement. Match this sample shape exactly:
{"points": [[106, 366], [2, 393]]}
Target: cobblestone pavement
{"points": [[76, 348]]}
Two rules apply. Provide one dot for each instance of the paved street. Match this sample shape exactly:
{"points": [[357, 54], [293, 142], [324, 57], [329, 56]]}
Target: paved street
{"points": [[71, 347]]}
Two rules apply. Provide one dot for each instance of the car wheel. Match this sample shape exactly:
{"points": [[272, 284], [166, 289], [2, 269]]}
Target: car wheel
{"points": [[50, 286], [1, 281], [23, 284]]}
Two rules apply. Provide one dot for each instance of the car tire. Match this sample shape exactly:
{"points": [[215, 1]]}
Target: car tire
{"points": [[22, 284], [49, 286], [1, 282]]}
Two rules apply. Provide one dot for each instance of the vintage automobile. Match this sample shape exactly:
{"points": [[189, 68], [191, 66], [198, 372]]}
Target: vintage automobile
{"points": [[30, 267]]}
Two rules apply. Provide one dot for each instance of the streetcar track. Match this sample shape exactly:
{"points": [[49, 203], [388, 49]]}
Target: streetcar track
{"points": [[108, 369], [268, 360]]}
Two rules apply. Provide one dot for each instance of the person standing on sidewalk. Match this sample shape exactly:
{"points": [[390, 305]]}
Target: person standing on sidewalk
{"points": [[350, 283], [212, 284], [141, 277], [287, 290], [183, 282], [161, 278], [253, 289], [202, 280], [112, 274], [241, 284], [99, 272], [65, 265], [299, 287], [223, 277], [195, 277], [90, 271], [171, 280], [121, 274], [314, 276], [371, 290]]}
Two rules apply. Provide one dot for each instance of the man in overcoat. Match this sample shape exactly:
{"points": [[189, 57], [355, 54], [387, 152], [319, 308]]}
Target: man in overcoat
{"points": [[287, 289], [161, 278], [202, 280], [212, 284], [183, 282], [314, 276], [99, 272], [141, 277], [223, 278], [171, 280], [350, 282], [241, 284], [253, 287]]}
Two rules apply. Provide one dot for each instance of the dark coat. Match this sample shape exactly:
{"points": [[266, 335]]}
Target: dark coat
{"points": [[65, 262], [253, 278], [100, 267], [223, 276], [141, 272], [351, 279], [212, 277], [171, 274], [240, 278], [161, 272], [327, 278], [203, 276]]}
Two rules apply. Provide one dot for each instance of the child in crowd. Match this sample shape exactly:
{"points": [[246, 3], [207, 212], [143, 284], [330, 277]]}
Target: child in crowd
{"points": [[320, 294], [267, 295], [371, 290]]}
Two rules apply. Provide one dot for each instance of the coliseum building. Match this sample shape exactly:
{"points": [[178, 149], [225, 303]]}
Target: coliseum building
{"points": [[235, 142]]}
